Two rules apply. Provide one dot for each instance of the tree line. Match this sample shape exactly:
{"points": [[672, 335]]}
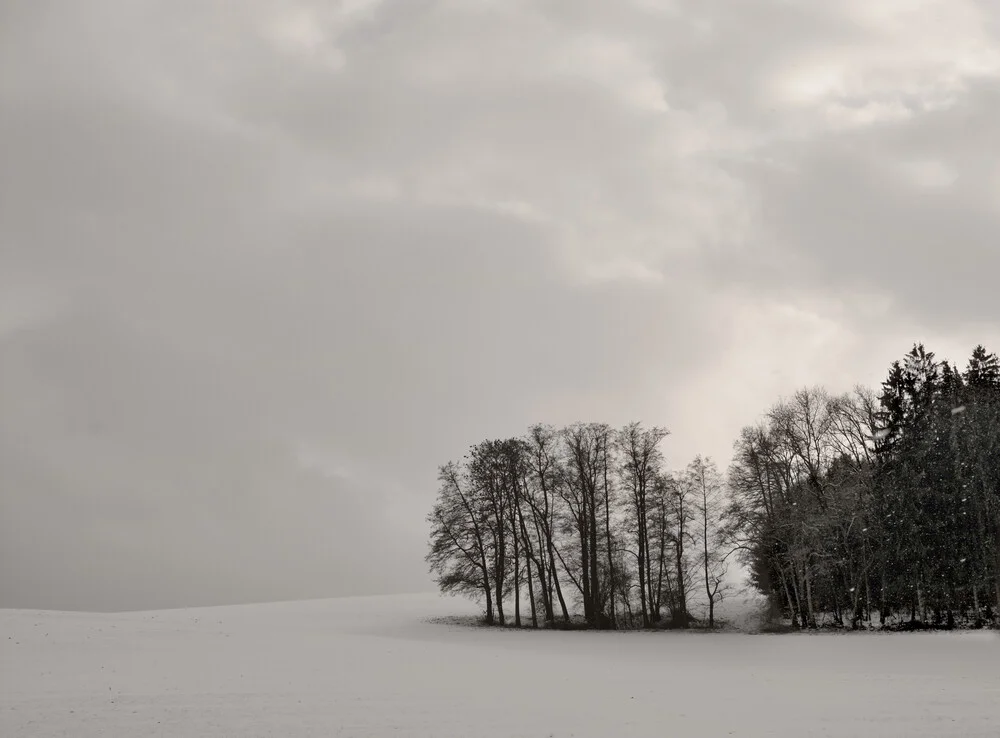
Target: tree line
{"points": [[884, 503], [839, 506]]}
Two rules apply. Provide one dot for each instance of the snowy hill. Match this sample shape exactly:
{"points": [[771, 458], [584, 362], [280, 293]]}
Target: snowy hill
{"points": [[382, 666]]}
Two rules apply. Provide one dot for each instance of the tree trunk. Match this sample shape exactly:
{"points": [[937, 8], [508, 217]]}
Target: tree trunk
{"points": [[551, 548], [544, 586], [704, 540], [809, 597], [652, 598], [588, 603], [485, 568], [517, 582], [868, 600], [656, 606], [792, 613], [500, 553], [798, 619], [501, 618], [490, 619], [543, 583], [595, 585], [555, 581], [607, 535], [531, 595], [642, 581], [498, 583], [681, 589], [883, 612], [859, 615]]}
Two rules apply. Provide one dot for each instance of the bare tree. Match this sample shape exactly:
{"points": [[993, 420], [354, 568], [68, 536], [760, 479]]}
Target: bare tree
{"points": [[547, 474], [682, 499], [459, 554], [640, 464], [489, 472], [704, 478], [584, 450]]}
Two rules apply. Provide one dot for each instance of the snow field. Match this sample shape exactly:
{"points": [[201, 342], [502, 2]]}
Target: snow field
{"points": [[382, 666]]}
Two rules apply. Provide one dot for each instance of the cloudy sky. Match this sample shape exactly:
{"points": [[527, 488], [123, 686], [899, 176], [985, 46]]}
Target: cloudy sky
{"points": [[265, 264]]}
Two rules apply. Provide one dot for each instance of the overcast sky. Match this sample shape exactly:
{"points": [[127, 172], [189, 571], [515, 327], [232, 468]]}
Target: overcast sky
{"points": [[265, 265]]}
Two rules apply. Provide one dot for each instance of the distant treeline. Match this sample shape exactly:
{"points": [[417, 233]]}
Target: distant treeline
{"points": [[854, 510]]}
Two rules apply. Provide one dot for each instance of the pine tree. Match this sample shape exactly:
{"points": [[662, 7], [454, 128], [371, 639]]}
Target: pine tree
{"points": [[982, 473]]}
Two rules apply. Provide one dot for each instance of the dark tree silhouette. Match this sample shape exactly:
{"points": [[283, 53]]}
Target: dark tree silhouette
{"points": [[841, 507]]}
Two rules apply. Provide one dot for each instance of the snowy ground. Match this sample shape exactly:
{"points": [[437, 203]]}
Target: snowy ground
{"points": [[377, 667]]}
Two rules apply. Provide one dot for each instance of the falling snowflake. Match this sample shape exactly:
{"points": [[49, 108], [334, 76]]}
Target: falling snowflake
{"points": [[957, 410]]}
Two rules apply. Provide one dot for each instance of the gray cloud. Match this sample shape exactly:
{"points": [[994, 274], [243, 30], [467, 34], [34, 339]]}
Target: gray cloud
{"points": [[261, 272]]}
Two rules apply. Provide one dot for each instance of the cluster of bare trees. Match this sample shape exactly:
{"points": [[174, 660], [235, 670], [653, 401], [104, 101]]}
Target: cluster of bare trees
{"points": [[879, 505], [843, 509], [584, 518]]}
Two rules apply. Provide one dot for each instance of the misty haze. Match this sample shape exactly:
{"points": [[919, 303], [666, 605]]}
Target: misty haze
{"points": [[500, 368]]}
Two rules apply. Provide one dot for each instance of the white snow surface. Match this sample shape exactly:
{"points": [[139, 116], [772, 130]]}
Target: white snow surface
{"points": [[381, 666]]}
